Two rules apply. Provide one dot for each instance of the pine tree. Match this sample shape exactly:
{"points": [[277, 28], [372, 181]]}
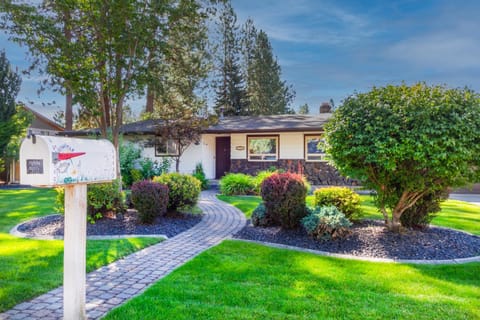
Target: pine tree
{"points": [[268, 94], [229, 89], [304, 109]]}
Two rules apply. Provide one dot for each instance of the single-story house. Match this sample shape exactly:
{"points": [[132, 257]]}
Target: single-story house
{"points": [[247, 144]]}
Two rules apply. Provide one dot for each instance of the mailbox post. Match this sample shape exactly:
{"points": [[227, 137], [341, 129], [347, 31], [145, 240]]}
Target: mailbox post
{"points": [[48, 161]]}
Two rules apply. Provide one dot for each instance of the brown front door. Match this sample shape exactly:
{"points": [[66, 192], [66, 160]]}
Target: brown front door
{"points": [[222, 156]]}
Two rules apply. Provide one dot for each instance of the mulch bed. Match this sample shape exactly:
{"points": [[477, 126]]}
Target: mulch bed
{"points": [[370, 239], [123, 224]]}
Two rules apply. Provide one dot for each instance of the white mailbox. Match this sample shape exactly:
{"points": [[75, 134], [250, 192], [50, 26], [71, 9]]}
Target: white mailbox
{"points": [[53, 161]]}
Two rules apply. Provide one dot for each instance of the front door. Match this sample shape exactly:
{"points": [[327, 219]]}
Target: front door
{"points": [[222, 156]]}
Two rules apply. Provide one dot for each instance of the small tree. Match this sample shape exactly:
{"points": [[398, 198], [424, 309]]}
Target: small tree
{"points": [[404, 142]]}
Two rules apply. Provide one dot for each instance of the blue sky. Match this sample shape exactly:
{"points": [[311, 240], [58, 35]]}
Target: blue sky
{"points": [[329, 49]]}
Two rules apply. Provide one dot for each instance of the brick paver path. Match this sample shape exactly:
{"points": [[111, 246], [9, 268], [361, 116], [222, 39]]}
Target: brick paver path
{"points": [[112, 285]]}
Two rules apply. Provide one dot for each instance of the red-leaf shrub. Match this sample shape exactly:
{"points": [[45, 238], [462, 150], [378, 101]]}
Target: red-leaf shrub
{"points": [[150, 199], [284, 197]]}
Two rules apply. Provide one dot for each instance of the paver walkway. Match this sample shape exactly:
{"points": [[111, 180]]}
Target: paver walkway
{"points": [[112, 285]]}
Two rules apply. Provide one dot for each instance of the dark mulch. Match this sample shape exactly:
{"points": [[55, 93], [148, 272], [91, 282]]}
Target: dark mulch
{"points": [[127, 223], [370, 239]]}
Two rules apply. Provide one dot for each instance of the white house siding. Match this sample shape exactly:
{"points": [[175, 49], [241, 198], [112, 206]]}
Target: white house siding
{"points": [[291, 144], [203, 153]]}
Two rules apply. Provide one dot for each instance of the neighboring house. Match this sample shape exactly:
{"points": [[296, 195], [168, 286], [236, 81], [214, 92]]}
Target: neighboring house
{"points": [[40, 125], [246, 144]]}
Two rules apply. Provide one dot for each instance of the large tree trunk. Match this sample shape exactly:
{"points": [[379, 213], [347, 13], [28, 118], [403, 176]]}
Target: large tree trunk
{"points": [[68, 111], [149, 104]]}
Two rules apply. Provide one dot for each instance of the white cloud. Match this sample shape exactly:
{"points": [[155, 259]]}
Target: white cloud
{"points": [[444, 50]]}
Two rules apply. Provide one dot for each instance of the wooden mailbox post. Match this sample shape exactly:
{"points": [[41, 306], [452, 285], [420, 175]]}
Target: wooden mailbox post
{"points": [[49, 161]]}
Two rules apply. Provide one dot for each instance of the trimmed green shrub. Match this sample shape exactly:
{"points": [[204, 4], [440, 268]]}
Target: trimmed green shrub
{"points": [[258, 179], [423, 211], [284, 197], [346, 200], [150, 199], [200, 175], [183, 189], [136, 175], [237, 184], [325, 223], [101, 199], [259, 216]]}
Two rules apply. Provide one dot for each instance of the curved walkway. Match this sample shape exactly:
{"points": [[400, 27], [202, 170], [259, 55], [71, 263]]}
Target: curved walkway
{"points": [[112, 285]]}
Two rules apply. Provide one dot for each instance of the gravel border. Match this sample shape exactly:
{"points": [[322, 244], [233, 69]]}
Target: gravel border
{"points": [[50, 227], [434, 246]]}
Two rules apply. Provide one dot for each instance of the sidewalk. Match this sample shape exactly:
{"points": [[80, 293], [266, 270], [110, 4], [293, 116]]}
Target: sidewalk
{"points": [[110, 286]]}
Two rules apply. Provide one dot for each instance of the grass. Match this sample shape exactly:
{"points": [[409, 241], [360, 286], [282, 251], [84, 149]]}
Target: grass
{"points": [[28, 267], [246, 204], [238, 280], [455, 214]]}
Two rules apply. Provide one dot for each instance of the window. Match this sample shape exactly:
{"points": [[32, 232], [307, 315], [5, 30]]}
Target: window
{"points": [[314, 147], [165, 147], [262, 148]]}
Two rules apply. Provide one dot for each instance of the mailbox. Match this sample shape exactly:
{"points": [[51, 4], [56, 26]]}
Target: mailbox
{"points": [[52, 161]]}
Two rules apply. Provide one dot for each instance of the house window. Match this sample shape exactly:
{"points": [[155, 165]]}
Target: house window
{"points": [[315, 147], [165, 148], [263, 148]]}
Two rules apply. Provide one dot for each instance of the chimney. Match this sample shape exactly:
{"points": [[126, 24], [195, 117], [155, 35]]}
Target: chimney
{"points": [[325, 107]]}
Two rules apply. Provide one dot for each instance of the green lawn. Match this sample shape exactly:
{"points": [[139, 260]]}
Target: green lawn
{"points": [[237, 280], [455, 214], [29, 268]]}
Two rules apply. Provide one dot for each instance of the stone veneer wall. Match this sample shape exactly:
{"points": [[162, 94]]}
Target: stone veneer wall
{"points": [[317, 173]]}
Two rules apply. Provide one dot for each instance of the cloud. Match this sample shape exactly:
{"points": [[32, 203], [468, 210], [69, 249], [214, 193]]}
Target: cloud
{"points": [[307, 22]]}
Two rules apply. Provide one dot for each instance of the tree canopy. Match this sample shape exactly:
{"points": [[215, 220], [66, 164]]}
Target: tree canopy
{"points": [[111, 52], [10, 83], [406, 141]]}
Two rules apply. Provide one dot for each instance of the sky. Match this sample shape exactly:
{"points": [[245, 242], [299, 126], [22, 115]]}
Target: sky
{"points": [[331, 49]]}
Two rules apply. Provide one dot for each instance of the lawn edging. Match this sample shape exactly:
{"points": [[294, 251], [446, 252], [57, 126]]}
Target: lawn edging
{"points": [[19, 234], [362, 258]]}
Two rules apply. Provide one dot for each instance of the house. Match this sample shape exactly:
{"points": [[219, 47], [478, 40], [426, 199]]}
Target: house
{"points": [[247, 144], [40, 125]]}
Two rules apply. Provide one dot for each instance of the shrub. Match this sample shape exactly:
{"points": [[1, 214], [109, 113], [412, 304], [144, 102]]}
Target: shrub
{"points": [[423, 211], [183, 189], [326, 223], [259, 217], [150, 199], [200, 175], [258, 179], [346, 200], [150, 169], [237, 184], [129, 154], [284, 197], [101, 198], [136, 175]]}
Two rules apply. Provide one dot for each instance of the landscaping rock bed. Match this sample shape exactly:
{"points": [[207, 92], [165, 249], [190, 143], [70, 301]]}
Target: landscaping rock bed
{"points": [[123, 224], [370, 239]]}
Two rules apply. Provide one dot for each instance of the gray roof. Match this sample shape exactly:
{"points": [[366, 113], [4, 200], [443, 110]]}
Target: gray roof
{"points": [[275, 123], [239, 124]]}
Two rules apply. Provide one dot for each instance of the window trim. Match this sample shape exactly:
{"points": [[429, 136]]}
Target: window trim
{"points": [[272, 136], [156, 143], [305, 148]]}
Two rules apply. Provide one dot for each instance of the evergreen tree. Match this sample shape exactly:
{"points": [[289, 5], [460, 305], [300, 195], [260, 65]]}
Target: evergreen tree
{"points": [[9, 88], [249, 38], [229, 87], [268, 94], [304, 109]]}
